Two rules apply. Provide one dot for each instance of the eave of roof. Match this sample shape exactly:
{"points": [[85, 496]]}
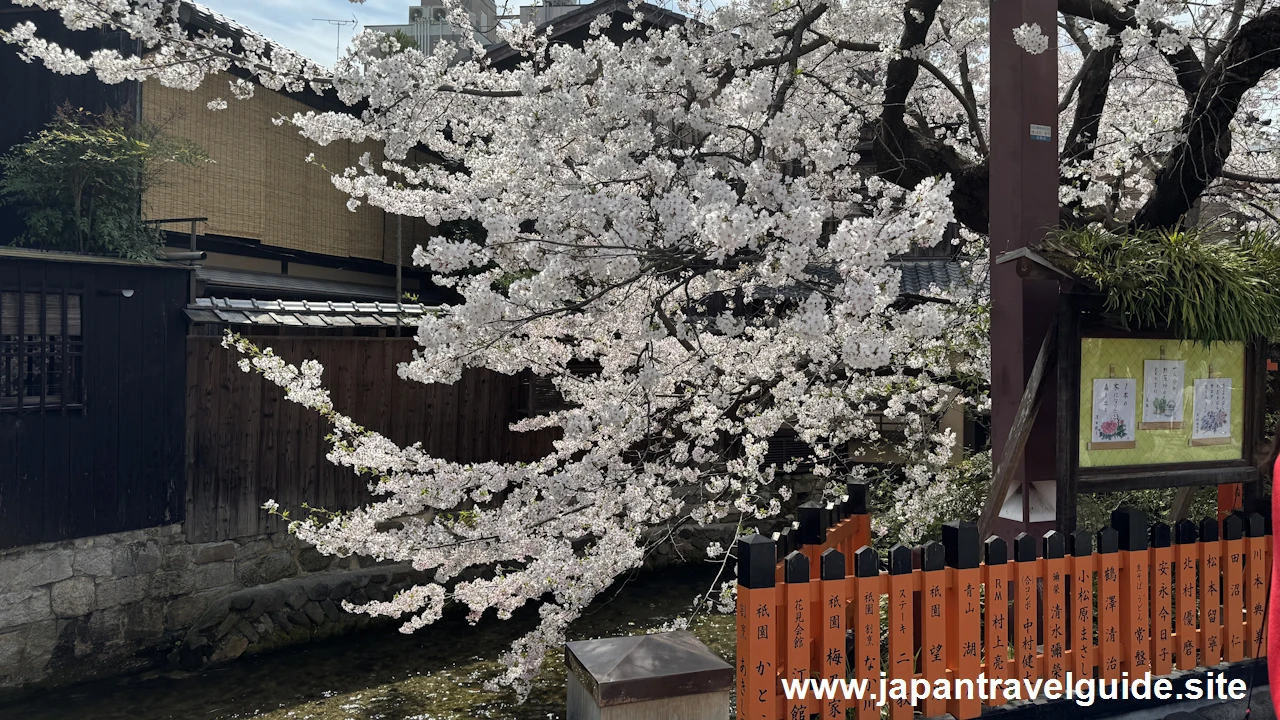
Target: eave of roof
{"points": [[15, 253], [305, 313]]}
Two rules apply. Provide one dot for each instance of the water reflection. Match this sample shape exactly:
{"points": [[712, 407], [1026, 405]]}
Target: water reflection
{"points": [[382, 674]]}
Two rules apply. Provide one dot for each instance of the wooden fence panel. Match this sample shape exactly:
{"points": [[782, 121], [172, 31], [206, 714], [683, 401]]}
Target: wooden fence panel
{"points": [[952, 611], [249, 445]]}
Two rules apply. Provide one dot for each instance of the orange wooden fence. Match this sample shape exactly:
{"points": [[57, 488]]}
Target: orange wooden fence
{"points": [[814, 602]]}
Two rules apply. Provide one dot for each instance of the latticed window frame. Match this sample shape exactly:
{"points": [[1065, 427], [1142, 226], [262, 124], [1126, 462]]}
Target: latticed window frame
{"points": [[42, 357]]}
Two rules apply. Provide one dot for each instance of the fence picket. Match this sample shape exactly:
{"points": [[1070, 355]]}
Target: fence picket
{"points": [[1233, 555], [866, 571], [996, 613], [1083, 654], [1108, 559], [901, 627], [933, 631], [1135, 584], [797, 596], [1025, 616], [1162, 650], [1187, 609], [1163, 598], [1055, 610]]}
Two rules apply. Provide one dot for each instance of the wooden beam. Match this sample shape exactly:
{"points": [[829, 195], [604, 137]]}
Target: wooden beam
{"points": [[1181, 504], [1025, 418]]}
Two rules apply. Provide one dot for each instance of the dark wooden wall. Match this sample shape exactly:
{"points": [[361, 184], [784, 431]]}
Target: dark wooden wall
{"points": [[249, 445], [116, 463]]}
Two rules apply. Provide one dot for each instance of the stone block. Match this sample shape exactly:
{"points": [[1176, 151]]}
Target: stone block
{"points": [[214, 575], [242, 602], [147, 558], [375, 593], [283, 540], [331, 610], [312, 560], [295, 596], [24, 570], [181, 613], [265, 600], [73, 597], [170, 583], [94, 560], [233, 648], [213, 552], [122, 562], [318, 590], [253, 549], [22, 607], [42, 638], [246, 631], [125, 590], [106, 626], [315, 612], [299, 618], [12, 644], [177, 556], [143, 621], [267, 569], [341, 590], [213, 615]]}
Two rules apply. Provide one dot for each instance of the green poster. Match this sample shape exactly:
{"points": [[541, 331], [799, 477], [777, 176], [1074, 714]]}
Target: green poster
{"points": [[1151, 402]]}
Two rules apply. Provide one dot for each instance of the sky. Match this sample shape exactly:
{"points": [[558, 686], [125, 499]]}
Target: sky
{"points": [[292, 22]]}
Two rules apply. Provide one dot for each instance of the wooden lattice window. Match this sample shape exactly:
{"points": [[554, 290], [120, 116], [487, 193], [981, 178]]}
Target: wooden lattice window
{"points": [[41, 350]]}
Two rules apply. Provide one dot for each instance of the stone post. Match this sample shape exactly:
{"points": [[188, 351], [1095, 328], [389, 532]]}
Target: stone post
{"points": [[665, 675]]}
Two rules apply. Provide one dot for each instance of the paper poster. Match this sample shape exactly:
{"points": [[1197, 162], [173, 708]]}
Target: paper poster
{"points": [[1162, 403], [1211, 413], [1114, 413]]}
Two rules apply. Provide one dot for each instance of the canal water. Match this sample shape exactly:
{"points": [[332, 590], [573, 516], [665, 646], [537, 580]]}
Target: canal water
{"points": [[382, 674]]}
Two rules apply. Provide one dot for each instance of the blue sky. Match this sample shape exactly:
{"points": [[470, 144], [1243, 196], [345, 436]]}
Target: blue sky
{"points": [[290, 22]]}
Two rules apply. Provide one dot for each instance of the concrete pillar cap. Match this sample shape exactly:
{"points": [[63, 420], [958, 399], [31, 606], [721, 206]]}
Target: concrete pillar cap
{"points": [[624, 670]]}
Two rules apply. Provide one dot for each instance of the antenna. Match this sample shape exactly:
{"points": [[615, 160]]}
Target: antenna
{"points": [[338, 25]]}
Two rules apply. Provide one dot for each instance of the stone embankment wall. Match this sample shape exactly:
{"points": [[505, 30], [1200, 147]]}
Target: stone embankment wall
{"points": [[86, 608]]}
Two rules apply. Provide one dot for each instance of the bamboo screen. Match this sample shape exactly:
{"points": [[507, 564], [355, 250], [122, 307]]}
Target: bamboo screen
{"points": [[259, 186]]}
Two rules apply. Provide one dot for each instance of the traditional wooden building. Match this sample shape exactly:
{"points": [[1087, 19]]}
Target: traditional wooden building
{"points": [[92, 395]]}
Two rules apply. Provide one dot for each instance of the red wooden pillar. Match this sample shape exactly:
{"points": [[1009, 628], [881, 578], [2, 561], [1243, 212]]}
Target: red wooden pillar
{"points": [[1023, 207]]}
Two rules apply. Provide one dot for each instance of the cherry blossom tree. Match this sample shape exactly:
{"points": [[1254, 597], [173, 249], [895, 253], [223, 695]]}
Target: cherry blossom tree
{"points": [[708, 211]]}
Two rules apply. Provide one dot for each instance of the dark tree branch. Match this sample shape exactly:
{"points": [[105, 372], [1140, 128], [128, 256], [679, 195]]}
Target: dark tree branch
{"points": [[1198, 160], [906, 157]]}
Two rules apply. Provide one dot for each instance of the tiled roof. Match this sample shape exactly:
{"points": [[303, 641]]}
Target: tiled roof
{"points": [[926, 277], [304, 313]]}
